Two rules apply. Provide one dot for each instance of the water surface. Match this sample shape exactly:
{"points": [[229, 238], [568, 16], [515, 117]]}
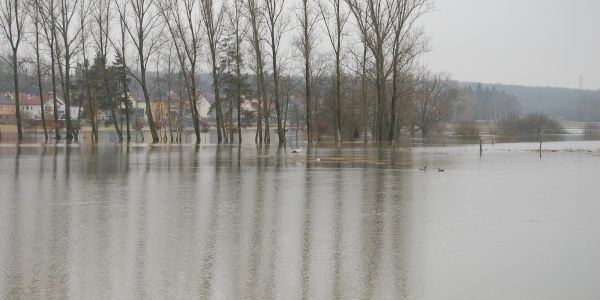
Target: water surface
{"points": [[186, 222]]}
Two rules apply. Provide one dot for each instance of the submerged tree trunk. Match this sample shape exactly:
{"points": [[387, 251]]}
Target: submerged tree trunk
{"points": [[11, 25], [54, 100], [393, 109], [364, 95], [306, 44], [151, 124], [36, 23], [253, 15], [16, 87], [273, 13]]}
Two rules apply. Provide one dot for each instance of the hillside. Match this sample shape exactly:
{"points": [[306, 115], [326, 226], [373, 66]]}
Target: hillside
{"points": [[563, 103]]}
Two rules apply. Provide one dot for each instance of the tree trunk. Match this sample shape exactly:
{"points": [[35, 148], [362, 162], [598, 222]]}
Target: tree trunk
{"points": [[338, 97], [219, 110], [194, 106], [392, 128], [67, 91], [239, 93], [39, 80], [280, 132], [155, 138], [112, 102], [54, 100], [381, 94], [91, 107], [17, 104], [364, 95], [307, 75], [127, 110], [309, 136]]}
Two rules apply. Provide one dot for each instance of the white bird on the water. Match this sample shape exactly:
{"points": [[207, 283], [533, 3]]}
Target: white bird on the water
{"points": [[318, 159]]}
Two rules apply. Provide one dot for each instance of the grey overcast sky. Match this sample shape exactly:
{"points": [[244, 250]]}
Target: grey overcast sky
{"points": [[525, 42]]}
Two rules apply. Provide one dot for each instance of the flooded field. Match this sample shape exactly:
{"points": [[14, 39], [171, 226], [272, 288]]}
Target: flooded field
{"points": [[360, 222]]}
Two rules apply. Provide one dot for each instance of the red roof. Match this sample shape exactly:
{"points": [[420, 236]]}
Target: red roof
{"points": [[25, 99]]}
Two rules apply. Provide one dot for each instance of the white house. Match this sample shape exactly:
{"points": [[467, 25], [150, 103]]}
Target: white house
{"points": [[31, 106], [203, 107]]}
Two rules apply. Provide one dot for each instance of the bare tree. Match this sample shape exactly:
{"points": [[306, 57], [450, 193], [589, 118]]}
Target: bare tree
{"points": [[306, 45], [36, 17], [238, 30], [184, 28], [335, 20], [276, 27], [69, 39], [83, 17], [375, 21], [48, 13], [101, 13], [12, 19], [361, 72], [384, 26], [253, 14], [407, 44], [433, 101], [212, 18], [169, 59], [143, 27]]}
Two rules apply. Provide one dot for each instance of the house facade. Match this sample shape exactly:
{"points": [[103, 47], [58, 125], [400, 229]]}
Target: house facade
{"points": [[31, 107], [7, 110]]}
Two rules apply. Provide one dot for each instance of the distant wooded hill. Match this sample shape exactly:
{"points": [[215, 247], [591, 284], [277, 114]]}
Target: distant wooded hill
{"points": [[561, 103]]}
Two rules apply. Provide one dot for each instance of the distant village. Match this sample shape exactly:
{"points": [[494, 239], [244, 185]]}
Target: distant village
{"points": [[162, 110]]}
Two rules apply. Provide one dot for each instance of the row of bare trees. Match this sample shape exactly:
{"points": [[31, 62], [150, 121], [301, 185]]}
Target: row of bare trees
{"points": [[369, 47]]}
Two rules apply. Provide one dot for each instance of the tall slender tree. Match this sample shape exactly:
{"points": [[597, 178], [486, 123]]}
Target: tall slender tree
{"points": [[306, 45], [12, 20], [123, 99], [407, 44], [36, 17], [253, 14], [274, 10], [85, 7], [185, 30], [101, 15], [68, 35], [212, 18], [49, 13], [144, 27], [238, 30], [335, 19]]}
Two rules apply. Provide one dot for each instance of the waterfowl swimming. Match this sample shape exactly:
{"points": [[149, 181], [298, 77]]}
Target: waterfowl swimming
{"points": [[296, 150], [423, 169], [441, 170]]}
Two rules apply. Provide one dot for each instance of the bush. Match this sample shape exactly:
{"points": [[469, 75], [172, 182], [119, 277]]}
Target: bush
{"points": [[591, 128], [535, 123], [467, 130]]}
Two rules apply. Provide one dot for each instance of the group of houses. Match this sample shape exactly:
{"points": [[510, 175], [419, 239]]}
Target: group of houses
{"points": [[162, 109], [31, 107]]}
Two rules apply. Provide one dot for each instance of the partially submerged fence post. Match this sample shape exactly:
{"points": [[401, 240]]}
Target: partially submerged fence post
{"points": [[480, 147]]}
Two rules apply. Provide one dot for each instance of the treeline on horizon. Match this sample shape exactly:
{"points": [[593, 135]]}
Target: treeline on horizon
{"points": [[341, 69], [560, 103]]}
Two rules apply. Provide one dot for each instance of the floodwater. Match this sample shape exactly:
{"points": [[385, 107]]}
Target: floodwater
{"points": [[208, 222]]}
